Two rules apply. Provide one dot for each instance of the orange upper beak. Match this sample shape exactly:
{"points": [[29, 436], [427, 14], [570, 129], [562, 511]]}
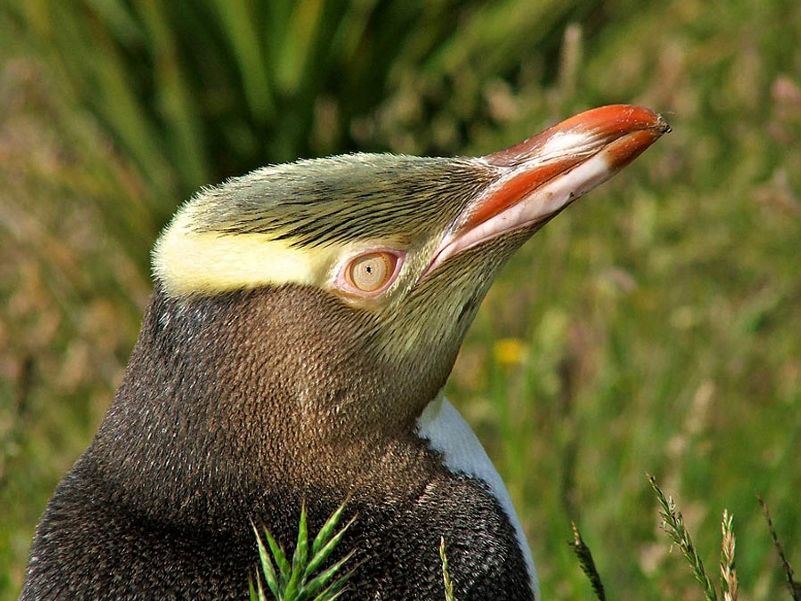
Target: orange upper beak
{"points": [[542, 175]]}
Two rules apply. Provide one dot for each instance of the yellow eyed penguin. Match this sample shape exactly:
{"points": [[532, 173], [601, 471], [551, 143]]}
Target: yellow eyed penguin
{"points": [[304, 320]]}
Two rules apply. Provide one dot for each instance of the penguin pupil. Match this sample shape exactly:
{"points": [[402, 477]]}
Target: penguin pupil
{"points": [[368, 274]]}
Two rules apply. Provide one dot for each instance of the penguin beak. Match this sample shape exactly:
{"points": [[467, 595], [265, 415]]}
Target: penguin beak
{"points": [[544, 174]]}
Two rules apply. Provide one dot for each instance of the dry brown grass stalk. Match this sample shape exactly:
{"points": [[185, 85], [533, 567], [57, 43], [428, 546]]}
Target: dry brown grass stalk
{"points": [[673, 525], [728, 573], [793, 585]]}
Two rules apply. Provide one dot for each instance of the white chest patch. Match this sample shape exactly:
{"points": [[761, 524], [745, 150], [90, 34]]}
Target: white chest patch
{"points": [[447, 431]]}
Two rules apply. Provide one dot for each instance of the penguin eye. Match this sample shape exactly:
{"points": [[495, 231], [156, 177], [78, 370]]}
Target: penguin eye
{"points": [[370, 273]]}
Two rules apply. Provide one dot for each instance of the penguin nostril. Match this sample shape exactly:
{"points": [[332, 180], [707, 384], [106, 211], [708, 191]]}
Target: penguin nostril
{"points": [[467, 308]]}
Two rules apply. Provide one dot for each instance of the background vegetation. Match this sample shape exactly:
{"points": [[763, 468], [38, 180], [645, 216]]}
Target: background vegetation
{"points": [[655, 328]]}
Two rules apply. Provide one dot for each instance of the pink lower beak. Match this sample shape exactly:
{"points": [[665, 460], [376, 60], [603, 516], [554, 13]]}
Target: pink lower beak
{"points": [[542, 175]]}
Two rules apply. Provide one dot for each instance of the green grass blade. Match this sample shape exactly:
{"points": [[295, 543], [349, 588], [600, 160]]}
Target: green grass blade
{"points": [[331, 597], [673, 524], [587, 563], [351, 29], [118, 18], [238, 24], [88, 61], [322, 554], [257, 594], [496, 31], [299, 557], [175, 101], [335, 591], [301, 554], [284, 569], [324, 578], [301, 33], [327, 530], [446, 575], [267, 567]]}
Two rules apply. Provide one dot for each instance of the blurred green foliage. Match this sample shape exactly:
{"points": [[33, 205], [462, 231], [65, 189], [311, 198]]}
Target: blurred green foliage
{"points": [[192, 92], [658, 327]]}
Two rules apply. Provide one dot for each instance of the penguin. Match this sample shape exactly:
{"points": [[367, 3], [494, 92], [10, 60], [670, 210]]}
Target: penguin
{"points": [[304, 320]]}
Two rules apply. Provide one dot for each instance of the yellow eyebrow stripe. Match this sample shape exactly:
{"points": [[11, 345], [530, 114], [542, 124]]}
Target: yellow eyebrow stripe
{"points": [[189, 262]]}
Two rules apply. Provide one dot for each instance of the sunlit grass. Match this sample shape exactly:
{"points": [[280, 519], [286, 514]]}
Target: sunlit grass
{"points": [[672, 522], [306, 576], [447, 583]]}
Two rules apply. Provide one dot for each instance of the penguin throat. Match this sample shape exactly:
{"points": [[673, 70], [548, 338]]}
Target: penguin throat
{"points": [[222, 398]]}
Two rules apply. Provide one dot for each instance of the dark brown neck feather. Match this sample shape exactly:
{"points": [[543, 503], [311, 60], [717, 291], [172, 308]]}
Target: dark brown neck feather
{"points": [[227, 396]]}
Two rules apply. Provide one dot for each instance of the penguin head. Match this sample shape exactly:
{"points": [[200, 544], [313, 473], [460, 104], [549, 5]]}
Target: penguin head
{"points": [[370, 268]]}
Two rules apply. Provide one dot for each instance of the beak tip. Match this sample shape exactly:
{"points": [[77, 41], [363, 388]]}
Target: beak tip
{"points": [[545, 173], [604, 123], [660, 124], [663, 125]]}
